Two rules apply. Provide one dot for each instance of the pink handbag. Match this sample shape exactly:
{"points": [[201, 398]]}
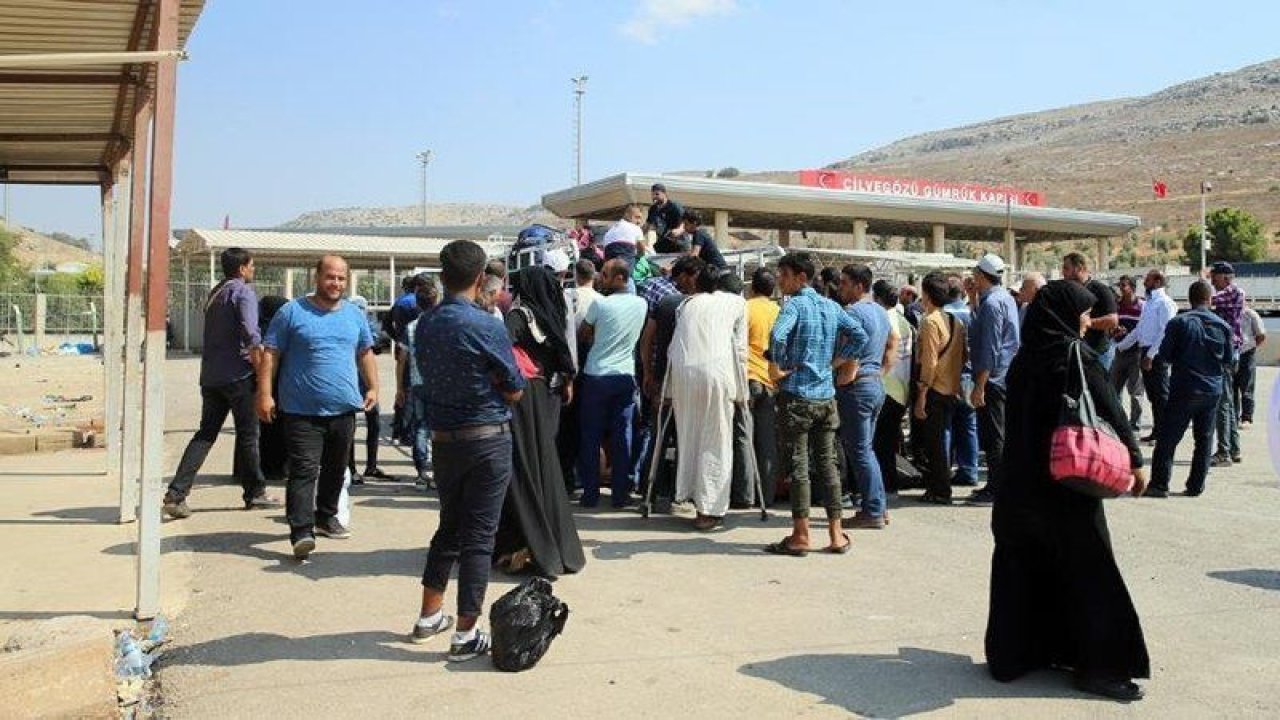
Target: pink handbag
{"points": [[1084, 452]]}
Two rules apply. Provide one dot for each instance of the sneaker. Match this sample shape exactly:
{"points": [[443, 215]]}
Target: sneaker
{"points": [[1237, 459], [263, 502], [477, 646], [1219, 460], [422, 633], [303, 546], [176, 507], [1246, 424], [934, 499], [332, 529], [981, 497], [1155, 492], [377, 474]]}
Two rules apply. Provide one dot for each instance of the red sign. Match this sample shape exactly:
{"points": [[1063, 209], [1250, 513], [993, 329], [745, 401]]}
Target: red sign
{"points": [[915, 188]]}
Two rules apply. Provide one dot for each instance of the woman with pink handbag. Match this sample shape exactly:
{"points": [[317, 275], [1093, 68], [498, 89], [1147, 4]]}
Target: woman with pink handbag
{"points": [[1057, 597]]}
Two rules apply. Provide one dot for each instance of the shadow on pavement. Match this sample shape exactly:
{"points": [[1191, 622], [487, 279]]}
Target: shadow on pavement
{"points": [[329, 559], [69, 516], [50, 614], [1254, 577], [913, 681], [255, 648], [700, 545]]}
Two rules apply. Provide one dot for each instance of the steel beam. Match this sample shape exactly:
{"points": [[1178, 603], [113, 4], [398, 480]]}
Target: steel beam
{"points": [[31, 78]]}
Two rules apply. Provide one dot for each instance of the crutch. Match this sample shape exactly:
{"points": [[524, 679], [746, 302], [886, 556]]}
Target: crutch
{"points": [[664, 417], [749, 457]]}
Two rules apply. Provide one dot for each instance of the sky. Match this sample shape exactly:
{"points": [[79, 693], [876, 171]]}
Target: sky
{"points": [[295, 105]]}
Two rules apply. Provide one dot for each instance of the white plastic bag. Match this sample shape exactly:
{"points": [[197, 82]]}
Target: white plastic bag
{"points": [[344, 500]]}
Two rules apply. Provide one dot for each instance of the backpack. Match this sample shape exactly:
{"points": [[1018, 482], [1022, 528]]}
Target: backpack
{"points": [[524, 622]]}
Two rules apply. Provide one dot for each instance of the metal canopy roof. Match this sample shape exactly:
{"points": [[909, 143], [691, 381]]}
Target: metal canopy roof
{"points": [[796, 207], [69, 125], [299, 249]]}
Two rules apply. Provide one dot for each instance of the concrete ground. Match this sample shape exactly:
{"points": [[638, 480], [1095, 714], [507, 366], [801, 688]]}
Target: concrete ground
{"points": [[664, 621]]}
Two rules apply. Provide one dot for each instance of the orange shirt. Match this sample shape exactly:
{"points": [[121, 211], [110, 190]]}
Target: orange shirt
{"points": [[762, 313]]}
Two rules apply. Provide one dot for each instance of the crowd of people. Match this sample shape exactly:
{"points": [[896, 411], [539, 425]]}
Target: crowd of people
{"points": [[520, 389]]}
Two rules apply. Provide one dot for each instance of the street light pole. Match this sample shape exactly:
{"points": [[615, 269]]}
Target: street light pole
{"points": [[579, 89], [424, 157], [1206, 187]]}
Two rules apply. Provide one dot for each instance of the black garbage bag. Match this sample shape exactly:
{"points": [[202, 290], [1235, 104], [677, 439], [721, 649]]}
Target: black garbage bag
{"points": [[525, 621]]}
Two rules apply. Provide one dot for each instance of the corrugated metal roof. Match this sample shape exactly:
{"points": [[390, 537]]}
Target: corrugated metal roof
{"points": [[68, 125], [796, 207], [302, 249]]}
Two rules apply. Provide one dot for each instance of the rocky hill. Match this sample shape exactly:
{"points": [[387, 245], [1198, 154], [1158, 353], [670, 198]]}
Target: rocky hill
{"points": [[35, 249], [411, 215], [1104, 155]]}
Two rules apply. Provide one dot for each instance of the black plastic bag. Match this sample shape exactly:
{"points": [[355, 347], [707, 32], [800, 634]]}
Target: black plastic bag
{"points": [[525, 621]]}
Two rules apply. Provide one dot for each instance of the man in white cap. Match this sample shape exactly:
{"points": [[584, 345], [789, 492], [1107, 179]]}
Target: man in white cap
{"points": [[993, 341]]}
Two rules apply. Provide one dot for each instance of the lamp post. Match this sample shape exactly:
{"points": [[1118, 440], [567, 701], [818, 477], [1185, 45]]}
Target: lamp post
{"points": [[424, 157], [579, 89], [1206, 187]]}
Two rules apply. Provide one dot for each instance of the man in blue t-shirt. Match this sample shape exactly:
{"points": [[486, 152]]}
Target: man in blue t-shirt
{"points": [[316, 342], [613, 326], [860, 394]]}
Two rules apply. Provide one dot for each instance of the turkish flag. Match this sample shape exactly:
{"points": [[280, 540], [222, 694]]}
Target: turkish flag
{"points": [[1159, 188]]}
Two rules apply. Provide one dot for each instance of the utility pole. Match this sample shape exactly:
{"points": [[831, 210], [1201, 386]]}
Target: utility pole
{"points": [[579, 89], [1206, 187], [424, 157]]}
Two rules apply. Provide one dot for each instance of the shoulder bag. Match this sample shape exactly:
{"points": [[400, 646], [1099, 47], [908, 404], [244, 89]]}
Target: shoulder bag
{"points": [[1085, 454]]}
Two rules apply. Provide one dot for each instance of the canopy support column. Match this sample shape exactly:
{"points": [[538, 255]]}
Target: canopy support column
{"points": [[130, 461], [113, 323], [859, 234], [1104, 254], [938, 243], [722, 228], [186, 302], [288, 283], [148, 596], [1011, 254]]}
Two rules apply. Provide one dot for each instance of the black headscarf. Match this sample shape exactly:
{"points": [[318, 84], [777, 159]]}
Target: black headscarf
{"points": [[1053, 324], [268, 306], [541, 294]]}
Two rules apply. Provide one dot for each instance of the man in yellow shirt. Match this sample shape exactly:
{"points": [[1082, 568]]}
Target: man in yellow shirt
{"points": [[942, 353], [762, 313]]}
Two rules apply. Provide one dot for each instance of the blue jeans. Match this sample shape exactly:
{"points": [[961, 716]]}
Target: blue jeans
{"points": [[472, 479], [859, 403], [419, 430], [1185, 407], [962, 443], [608, 401], [1107, 358], [1228, 420]]}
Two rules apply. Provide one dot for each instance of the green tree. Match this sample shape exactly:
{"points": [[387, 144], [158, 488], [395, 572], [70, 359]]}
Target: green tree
{"points": [[1234, 236], [91, 280], [11, 270]]}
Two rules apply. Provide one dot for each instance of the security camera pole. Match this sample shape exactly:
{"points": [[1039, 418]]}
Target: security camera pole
{"points": [[1206, 187], [579, 89]]}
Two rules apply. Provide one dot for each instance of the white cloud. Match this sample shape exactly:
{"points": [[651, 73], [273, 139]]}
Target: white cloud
{"points": [[654, 16]]}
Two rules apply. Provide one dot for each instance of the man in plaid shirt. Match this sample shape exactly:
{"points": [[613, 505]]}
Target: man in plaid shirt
{"points": [[1228, 304], [802, 346]]}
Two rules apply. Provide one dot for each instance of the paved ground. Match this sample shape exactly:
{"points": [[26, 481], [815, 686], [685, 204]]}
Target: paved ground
{"points": [[664, 621]]}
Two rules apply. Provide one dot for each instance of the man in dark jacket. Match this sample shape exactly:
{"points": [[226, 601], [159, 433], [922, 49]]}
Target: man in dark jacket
{"points": [[1199, 349]]}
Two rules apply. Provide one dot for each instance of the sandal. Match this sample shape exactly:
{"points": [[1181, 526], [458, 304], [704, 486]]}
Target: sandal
{"points": [[783, 547], [843, 549], [705, 523]]}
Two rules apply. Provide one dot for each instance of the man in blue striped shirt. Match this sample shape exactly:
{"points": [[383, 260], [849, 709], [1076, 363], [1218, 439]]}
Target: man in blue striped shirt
{"points": [[802, 349], [993, 341]]}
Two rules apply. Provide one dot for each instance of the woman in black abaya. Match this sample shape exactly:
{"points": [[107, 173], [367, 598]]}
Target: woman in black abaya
{"points": [[537, 524], [1057, 597]]}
